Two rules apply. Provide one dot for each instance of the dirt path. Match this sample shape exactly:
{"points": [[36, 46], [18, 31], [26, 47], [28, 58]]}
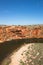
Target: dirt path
{"points": [[15, 58], [35, 55]]}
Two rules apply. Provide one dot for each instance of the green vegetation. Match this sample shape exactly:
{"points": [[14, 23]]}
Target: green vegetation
{"points": [[22, 63], [33, 55]]}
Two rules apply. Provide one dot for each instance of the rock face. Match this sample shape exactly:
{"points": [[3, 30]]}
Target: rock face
{"points": [[20, 32]]}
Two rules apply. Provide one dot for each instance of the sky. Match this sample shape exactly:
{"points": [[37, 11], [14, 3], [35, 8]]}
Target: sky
{"points": [[21, 12]]}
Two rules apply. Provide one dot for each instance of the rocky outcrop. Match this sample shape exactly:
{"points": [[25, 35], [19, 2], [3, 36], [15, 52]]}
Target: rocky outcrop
{"points": [[20, 32]]}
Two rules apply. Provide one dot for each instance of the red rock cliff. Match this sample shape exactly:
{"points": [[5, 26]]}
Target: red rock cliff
{"points": [[20, 32]]}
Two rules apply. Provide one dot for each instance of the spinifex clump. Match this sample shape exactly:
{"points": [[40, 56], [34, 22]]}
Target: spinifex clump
{"points": [[33, 55]]}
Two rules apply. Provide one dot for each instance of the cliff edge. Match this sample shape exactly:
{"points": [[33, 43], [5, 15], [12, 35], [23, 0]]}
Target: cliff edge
{"points": [[13, 32]]}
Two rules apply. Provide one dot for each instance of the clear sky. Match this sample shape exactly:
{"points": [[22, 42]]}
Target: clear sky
{"points": [[21, 12]]}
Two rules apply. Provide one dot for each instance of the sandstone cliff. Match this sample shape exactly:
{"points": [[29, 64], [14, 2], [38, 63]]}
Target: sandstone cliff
{"points": [[20, 32]]}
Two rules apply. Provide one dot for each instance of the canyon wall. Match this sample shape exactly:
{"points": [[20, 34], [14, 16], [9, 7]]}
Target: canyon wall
{"points": [[12, 37], [20, 32]]}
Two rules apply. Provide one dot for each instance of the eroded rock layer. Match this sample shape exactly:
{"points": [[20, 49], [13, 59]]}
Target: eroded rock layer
{"points": [[20, 32]]}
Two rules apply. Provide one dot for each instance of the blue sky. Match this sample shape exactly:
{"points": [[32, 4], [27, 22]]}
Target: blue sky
{"points": [[21, 12]]}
